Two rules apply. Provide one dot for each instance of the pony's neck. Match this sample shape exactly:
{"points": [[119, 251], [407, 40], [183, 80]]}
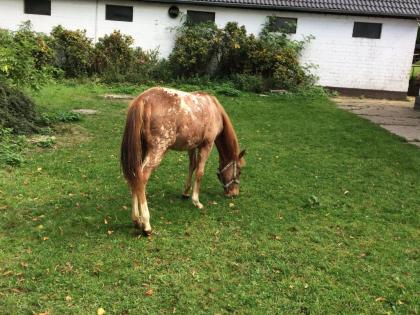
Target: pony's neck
{"points": [[227, 144]]}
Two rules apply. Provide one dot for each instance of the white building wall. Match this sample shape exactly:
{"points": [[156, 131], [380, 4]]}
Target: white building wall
{"points": [[342, 61]]}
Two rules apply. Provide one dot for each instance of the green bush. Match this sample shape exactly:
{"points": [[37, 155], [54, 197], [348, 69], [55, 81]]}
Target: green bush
{"points": [[195, 49], [117, 61], [248, 82], [73, 51], [273, 56], [113, 54], [227, 89], [17, 111], [51, 118], [46, 142], [11, 147], [25, 58], [234, 50]]}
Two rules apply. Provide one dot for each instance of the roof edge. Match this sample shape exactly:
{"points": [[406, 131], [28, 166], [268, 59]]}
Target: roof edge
{"points": [[287, 8]]}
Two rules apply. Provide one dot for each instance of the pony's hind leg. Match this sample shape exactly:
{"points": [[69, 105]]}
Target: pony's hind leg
{"points": [[135, 215], [192, 154]]}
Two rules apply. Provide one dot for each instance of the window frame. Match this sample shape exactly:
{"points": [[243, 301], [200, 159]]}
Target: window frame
{"points": [[209, 13], [285, 21], [357, 33], [111, 17], [27, 6]]}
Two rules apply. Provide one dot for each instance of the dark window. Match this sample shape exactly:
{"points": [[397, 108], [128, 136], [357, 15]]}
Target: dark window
{"points": [[197, 17], [119, 13], [282, 25], [367, 30], [42, 7]]}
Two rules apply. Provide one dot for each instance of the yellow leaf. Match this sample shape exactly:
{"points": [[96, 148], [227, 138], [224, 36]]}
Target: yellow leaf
{"points": [[100, 311], [68, 298], [380, 299]]}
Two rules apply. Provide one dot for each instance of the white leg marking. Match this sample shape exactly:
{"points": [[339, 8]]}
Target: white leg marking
{"points": [[195, 200], [145, 216], [144, 163], [135, 216]]}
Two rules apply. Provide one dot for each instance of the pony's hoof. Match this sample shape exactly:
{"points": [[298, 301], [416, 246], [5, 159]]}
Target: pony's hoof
{"points": [[185, 196], [147, 233], [138, 225], [199, 205]]}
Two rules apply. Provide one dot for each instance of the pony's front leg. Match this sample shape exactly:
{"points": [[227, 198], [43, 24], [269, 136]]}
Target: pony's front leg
{"points": [[203, 154], [192, 154]]}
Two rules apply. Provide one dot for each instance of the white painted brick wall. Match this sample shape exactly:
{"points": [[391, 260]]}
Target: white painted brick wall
{"points": [[343, 61]]}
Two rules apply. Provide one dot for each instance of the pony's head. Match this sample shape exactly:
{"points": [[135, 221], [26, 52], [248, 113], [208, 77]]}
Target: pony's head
{"points": [[229, 175]]}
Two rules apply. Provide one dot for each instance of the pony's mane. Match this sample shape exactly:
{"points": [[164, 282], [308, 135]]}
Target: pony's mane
{"points": [[227, 138]]}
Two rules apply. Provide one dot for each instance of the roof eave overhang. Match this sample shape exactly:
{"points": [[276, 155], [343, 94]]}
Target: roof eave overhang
{"points": [[293, 9]]}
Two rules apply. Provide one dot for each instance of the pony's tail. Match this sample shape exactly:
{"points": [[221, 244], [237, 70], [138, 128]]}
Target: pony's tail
{"points": [[131, 146]]}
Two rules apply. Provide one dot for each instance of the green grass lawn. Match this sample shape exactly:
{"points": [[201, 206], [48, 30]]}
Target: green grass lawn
{"points": [[327, 221]]}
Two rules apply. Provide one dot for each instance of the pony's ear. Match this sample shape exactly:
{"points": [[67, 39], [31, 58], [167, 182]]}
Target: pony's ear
{"points": [[241, 158]]}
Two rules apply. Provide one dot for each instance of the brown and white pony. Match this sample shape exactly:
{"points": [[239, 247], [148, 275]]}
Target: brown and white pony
{"points": [[160, 119]]}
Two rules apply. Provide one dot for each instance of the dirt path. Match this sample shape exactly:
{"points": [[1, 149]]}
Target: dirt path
{"points": [[398, 117]]}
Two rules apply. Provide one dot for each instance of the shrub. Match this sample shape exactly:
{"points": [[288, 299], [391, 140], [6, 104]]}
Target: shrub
{"points": [[195, 49], [113, 53], [46, 142], [117, 61], [273, 56], [248, 82], [227, 89], [25, 58], [50, 118], [11, 147], [234, 50], [147, 66], [73, 51], [17, 111]]}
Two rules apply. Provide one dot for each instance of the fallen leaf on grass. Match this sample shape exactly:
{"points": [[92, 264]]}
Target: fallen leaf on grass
{"points": [[39, 169], [44, 313], [380, 299], [100, 311], [16, 290], [149, 292], [68, 298], [45, 238], [110, 232], [212, 202], [7, 273], [231, 204]]}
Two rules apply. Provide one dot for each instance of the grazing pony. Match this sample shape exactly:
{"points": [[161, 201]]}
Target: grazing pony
{"points": [[160, 119]]}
